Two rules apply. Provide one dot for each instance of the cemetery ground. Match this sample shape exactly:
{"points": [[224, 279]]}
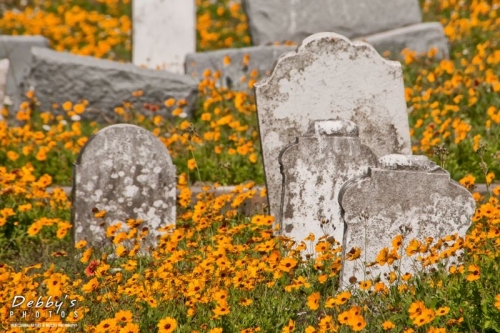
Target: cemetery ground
{"points": [[218, 270]]}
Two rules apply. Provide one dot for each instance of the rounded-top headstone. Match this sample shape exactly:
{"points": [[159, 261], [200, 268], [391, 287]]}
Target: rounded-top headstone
{"points": [[126, 171]]}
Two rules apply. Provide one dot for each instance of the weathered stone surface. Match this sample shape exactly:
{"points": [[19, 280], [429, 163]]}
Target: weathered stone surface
{"points": [[4, 69], [407, 195], [294, 20], [164, 32], [58, 77], [127, 172], [17, 50], [330, 77], [314, 170], [260, 58], [418, 37]]}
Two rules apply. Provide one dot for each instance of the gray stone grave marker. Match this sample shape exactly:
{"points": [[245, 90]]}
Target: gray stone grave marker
{"points": [[58, 77], [407, 195], [18, 50], [314, 169], [294, 20], [330, 77], [388, 25], [127, 172]]}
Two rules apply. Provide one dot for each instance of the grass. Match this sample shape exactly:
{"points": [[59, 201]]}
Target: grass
{"points": [[220, 271]]}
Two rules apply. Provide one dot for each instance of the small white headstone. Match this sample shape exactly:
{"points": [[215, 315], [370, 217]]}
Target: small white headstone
{"points": [[127, 172], [164, 32], [330, 77], [314, 170], [406, 195], [4, 69]]}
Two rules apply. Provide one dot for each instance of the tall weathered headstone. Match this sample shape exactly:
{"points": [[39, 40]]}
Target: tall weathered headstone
{"points": [[4, 69], [127, 172], [407, 195], [330, 77], [314, 170], [164, 33], [294, 20]]}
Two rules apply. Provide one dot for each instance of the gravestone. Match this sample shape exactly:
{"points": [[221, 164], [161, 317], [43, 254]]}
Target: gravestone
{"points": [[127, 172], [406, 195], [330, 77], [314, 169], [164, 31], [388, 25], [294, 20], [58, 77], [419, 38], [260, 58], [18, 50], [4, 69]]}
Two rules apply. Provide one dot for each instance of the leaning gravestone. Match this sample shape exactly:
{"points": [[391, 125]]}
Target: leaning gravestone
{"points": [[127, 172], [330, 77], [17, 50], [164, 32], [388, 25], [58, 77], [294, 20], [4, 69], [314, 169], [407, 195]]}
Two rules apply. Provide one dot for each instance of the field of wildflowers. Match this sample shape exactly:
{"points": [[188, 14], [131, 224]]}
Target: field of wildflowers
{"points": [[218, 271]]}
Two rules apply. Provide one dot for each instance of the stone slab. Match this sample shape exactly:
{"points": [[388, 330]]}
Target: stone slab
{"points": [[260, 58], [163, 33], [17, 50], [330, 77], [418, 37], [294, 20], [127, 172], [58, 77], [314, 169], [405, 195], [4, 69]]}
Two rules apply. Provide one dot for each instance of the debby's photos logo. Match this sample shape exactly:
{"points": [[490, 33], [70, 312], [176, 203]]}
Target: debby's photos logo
{"points": [[42, 312]]}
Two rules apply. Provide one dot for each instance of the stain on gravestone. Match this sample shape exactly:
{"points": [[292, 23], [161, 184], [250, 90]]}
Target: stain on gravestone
{"points": [[406, 195], [127, 172], [330, 77], [314, 170]]}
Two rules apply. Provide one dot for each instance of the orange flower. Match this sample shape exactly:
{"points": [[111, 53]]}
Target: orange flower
{"points": [[167, 325], [365, 285], [388, 325], [497, 303], [287, 264], [474, 270], [191, 164], [313, 301], [92, 267]]}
